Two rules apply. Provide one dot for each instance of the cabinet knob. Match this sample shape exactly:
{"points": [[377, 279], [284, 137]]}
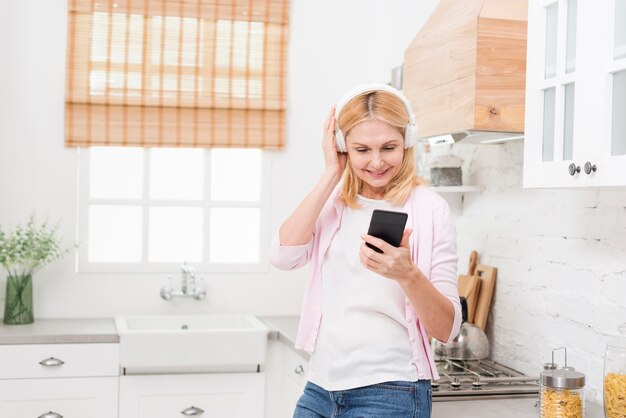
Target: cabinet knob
{"points": [[590, 167], [50, 414], [192, 410], [299, 370], [573, 169], [52, 362]]}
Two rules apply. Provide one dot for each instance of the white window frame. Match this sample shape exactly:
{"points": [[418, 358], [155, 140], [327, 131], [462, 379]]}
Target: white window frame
{"points": [[84, 201]]}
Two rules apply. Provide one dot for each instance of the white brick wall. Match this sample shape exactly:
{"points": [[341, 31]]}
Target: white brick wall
{"points": [[561, 259]]}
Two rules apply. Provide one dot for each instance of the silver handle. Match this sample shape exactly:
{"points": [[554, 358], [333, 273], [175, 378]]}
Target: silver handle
{"points": [[192, 410], [299, 370], [51, 415], [590, 167], [573, 169], [52, 362]]}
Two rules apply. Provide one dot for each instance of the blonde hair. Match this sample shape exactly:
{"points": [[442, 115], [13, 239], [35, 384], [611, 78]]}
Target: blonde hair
{"points": [[386, 107]]}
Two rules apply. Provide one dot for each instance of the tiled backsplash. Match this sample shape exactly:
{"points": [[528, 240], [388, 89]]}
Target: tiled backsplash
{"points": [[561, 259]]}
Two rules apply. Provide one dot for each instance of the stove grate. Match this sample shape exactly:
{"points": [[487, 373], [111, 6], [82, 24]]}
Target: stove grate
{"points": [[465, 379]]}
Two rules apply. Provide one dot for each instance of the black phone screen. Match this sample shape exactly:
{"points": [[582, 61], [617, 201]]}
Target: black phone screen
{"points": [[388, 226]]}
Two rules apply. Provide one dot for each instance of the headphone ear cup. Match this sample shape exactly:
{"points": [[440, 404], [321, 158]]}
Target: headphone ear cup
{"points": [[340, 141], [410, 134]]}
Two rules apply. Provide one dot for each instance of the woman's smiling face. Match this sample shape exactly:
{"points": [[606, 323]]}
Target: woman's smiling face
{"points": [[375, 150]]}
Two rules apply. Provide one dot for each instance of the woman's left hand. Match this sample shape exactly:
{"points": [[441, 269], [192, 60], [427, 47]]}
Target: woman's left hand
{"points": [[394, 262]]}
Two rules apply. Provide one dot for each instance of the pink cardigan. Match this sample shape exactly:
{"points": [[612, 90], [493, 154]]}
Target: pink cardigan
{"points": [[433, 247]]}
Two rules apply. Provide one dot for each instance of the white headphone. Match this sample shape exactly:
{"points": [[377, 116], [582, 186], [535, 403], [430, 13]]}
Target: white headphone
{"points": [[410, 132]]}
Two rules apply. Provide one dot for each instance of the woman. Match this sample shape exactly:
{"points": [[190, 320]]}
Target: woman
{"points": [[366, 315]]}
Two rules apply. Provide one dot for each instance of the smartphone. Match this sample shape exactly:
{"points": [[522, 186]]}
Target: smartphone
{"points": [[388, 226]]}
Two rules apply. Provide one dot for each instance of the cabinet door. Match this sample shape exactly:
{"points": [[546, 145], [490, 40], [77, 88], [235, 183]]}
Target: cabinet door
{"points": [[295, 370], [553, 79], [575, 134], [291, 395], [68, 398], [272, 369], [607, 130], [238, 395]]}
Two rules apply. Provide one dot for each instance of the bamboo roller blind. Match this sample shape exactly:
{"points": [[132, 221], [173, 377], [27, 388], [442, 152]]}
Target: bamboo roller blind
{"points": [[193, 73]]}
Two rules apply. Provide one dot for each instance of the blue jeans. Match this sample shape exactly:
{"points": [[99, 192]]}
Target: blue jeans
{"points": [[382, 400]]}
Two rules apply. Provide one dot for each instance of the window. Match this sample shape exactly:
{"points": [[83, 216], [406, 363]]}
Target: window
{"points": [[151, 209], [171, 103]]}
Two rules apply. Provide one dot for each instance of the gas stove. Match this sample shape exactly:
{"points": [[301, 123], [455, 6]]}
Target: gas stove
{"points": [[481, 379]]}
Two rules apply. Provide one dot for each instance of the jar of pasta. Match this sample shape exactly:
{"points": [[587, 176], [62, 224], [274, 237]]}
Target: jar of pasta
{"points": [[562, 392], [615, 376]]}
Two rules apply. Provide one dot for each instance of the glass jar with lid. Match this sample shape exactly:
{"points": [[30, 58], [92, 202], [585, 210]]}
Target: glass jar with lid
{"points": [[562, 391], [615, 376]]}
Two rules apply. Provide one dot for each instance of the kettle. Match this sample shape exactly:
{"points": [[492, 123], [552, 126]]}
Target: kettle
{"points": [[470, 344]]}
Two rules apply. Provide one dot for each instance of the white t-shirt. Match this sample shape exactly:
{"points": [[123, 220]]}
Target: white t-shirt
{"points": [[363, 337]]}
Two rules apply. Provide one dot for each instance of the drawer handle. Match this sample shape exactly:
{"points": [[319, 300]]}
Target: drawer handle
{"points": [[192, 410], [52, 362], [51, 415], [299, 370]]}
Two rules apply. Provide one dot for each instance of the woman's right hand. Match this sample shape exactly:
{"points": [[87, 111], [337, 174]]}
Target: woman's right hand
{"points": [[335, 161]]}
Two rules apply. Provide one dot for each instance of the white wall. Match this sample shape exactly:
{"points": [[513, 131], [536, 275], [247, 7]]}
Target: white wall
{"points": [[561, 259], [334, 44]]}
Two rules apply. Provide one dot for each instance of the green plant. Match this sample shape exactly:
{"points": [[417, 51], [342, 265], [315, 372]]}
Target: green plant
{"points": [[27, 249]]}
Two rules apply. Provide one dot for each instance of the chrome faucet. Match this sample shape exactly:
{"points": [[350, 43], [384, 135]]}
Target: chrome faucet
{"points": [[189, 286]]}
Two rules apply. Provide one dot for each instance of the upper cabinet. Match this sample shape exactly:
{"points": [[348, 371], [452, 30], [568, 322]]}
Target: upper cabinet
{"points": [[575, 122]]}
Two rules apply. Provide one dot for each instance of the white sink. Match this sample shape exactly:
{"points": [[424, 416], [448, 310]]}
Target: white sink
{"points": [[191, 343]]}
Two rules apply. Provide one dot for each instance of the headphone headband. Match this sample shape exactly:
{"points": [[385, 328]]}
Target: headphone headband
{"points": [[410, 132]]}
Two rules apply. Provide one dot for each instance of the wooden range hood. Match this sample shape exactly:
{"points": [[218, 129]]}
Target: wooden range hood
{"points": [[465, 71]]}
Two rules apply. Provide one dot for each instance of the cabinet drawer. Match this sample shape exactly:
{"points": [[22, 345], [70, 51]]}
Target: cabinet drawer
{"points": [[239, 395], [67, 398], [58, 360]]}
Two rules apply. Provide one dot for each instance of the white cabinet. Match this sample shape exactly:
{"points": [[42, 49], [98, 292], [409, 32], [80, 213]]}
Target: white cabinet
{"points": [[59, 380], [233, 395], [66, 398], [272, 368], [287, 375], [58, 360], [575, 127], [294, 377]]}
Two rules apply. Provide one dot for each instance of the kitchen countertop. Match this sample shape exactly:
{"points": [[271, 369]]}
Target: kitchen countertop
{"points": [[60, 331], [285, 328], [80, 330], [498, 408], [282, 327]]}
